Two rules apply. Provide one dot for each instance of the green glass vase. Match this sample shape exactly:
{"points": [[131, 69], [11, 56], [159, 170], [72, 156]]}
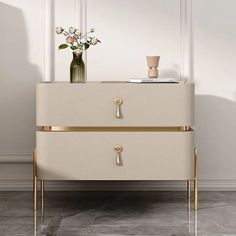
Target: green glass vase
{"points": [[77, 69]]}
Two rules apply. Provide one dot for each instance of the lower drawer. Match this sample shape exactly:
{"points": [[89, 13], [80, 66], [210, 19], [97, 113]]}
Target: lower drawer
{"points": [[91, 155]]}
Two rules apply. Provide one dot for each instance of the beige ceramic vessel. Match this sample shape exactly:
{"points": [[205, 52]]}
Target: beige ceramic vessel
{"points": [[153, 63]]}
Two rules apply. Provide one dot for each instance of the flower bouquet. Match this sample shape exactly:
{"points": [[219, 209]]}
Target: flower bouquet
{"points": [[78, 43]]}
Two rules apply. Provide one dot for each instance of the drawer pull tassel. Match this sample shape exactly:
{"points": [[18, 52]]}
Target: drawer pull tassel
{"points": [[118, 102], [118, 150]]}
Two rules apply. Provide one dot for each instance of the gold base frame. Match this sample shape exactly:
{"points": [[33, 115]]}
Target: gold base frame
{"points": [[195, 181], [35, 180]]}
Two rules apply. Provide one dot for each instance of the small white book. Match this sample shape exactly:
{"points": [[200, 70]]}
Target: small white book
{"points": [[158, 80]]}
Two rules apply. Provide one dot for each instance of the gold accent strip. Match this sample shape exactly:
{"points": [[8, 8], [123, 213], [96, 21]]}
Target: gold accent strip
{"points": [[185, 128], [47, 128], [114, 129]]}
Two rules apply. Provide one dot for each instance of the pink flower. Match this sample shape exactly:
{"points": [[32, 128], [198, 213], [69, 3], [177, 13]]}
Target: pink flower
{"points": [[95, 41], [77, 52], [59, 30], [70, 39]]}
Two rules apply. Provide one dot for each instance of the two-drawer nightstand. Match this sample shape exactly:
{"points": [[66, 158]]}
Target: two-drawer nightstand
{"points": [[115, 131]]}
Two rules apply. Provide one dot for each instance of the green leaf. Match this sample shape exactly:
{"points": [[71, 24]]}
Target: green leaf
{"points": [[63, 46], [86, 46], [73, 47]]}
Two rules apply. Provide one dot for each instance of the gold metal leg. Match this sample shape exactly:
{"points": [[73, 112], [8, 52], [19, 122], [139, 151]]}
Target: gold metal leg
{"points": [[34, 181], [195, 179], [189, 188], [35, 193], [33, 171]]}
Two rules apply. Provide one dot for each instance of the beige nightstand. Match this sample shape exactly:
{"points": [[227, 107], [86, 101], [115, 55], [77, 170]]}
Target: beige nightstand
{"points": [[115, 131]]}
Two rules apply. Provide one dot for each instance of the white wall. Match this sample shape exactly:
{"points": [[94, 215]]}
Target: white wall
{"points": [[20, 69], [66, 13], [129, 32], [215, 64], [214, 61]]}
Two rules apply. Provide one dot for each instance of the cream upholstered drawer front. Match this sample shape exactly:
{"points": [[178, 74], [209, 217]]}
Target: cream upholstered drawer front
{"points": [[119, 104], [92, 155]]}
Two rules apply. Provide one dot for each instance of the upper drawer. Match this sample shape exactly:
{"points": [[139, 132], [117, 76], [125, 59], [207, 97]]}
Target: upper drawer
{"points": [[93, 104]]}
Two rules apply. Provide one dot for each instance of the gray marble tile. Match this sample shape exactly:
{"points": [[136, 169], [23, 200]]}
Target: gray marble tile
{"points": [[118, 213]]}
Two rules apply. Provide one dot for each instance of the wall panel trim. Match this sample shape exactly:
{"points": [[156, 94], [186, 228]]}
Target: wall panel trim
{"points": [[186, 40], [13, 157]]}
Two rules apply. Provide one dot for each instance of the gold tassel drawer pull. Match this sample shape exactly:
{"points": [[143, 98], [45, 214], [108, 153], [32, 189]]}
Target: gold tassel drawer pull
{"points": [[118, 150], [118, 102]]}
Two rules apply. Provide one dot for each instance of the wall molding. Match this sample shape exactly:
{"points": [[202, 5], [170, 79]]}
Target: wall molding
{"points": [[48, 39], [204, 185], [13, 157], [186, 40]]}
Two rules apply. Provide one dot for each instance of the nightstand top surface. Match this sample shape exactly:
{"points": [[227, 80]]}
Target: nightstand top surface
{"points": [[180, 82]]}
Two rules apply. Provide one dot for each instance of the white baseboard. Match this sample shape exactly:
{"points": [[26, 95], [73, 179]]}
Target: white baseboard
{"points": [[204, 185], [11, 157]]}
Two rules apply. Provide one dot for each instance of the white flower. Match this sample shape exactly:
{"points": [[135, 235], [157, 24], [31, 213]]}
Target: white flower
{"points": [[83, 40], [72, 30], [78, 33], [59, 30], [95, 41], [77, 52]]}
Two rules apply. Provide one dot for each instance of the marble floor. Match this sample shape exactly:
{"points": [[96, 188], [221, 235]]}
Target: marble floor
{"points": [[118, 213]]}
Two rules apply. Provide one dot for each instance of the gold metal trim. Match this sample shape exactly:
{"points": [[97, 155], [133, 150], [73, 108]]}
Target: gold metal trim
{"points": [[195, 179], [35, 193], [113, 129], [47, 128], [189, 188], [118, 149], [185, 128]]}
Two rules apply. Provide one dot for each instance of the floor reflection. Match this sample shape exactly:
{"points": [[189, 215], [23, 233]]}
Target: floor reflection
{"points": [[119, 213]]}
